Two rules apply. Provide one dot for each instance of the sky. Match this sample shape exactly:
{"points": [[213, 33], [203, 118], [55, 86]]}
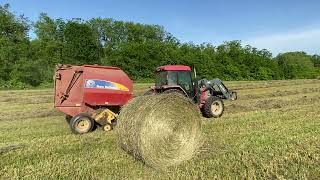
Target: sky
{"points": [[277, 25]]}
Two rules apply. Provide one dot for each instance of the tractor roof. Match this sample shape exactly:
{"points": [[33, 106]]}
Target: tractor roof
{"points": [[174, 68]]}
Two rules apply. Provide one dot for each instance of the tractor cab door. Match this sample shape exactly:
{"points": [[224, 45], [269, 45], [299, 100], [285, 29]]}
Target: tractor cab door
{"points": [[185, 82], [161, 79], [175, 78]]}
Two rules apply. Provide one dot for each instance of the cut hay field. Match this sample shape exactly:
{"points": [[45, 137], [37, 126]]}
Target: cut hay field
{"points": [[271, 131]]}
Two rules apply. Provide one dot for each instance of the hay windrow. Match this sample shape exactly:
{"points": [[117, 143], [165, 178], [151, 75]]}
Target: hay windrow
{"points": [[161, 130]]}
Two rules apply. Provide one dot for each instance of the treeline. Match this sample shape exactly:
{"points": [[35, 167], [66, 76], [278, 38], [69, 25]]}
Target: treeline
{"points": [[136, 48]]}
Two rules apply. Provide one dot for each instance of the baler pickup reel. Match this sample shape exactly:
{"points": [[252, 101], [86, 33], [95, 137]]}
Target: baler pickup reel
{"points": [[105, 118]]}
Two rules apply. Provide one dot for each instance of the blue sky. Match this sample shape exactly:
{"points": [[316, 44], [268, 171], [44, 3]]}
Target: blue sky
{"points": [[277, 25]]}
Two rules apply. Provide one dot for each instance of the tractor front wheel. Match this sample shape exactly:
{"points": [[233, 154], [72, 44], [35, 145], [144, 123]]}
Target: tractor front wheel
{"points": [[213, 107], [81, 124]]}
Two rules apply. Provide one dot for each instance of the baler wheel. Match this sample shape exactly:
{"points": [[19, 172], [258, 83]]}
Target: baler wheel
{"points": [[81, 123], [213, 107], [107, 127]]}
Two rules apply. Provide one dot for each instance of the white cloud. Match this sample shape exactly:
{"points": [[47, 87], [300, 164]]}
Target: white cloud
{"points": [[307, 40]]}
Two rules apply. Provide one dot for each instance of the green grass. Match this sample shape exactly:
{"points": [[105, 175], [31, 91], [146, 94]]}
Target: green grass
{"points": [[271, 131]]}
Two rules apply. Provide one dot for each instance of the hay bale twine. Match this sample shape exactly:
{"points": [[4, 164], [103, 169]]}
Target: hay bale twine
{"points": [[161, 130]]}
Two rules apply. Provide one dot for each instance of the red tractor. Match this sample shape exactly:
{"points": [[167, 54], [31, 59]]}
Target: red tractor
{"points": [[208, 94]]}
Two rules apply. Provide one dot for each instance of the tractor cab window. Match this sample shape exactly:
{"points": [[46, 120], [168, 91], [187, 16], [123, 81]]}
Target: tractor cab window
{"points": [[172, 77], [161, 78], [185, 80]]}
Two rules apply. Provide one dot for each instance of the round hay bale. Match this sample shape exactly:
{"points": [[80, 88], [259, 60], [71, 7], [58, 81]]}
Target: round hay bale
{"points": [[160, 130]]}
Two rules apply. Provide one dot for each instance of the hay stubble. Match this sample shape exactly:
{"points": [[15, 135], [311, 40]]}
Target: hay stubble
{"points": [[250, 141]]}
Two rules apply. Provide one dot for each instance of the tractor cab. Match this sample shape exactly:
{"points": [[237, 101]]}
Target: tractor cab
{"points": [[174, 77]]}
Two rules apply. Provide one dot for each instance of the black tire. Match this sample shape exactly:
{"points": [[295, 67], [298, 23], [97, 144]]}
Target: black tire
{"points": [[209, 111], [177, 91], [68, 118], [149, 92], [81, 124]]}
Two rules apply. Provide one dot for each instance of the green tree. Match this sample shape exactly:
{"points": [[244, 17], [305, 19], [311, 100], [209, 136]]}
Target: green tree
{"points": [[27, 71], [136, 48], [48, 29], [296, 65], [49, 45], [316, 60], [81, 44], [14, 42]]}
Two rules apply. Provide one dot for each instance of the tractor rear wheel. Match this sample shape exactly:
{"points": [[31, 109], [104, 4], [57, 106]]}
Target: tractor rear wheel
{"points": [[213, 107], [150, 92], [81, 123]]}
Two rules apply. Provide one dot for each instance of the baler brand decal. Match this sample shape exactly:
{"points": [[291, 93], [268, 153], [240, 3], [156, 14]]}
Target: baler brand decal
{"points": [[102, 84]]}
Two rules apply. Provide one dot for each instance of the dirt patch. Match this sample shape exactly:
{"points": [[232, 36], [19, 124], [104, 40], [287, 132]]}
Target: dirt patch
{"points": [[282, 93], [279, 93], [270, 104], [271, 84], [19, 115], [236, 108], [309, 100], [10, 148], [27, 100], [250, 96], [311, 90]]}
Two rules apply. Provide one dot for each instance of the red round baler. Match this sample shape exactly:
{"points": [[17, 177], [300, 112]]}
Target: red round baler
{"points": [[91, 95]]}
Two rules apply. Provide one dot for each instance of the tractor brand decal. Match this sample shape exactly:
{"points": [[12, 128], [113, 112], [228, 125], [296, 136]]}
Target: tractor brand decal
{"points": [[102, 84]]}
